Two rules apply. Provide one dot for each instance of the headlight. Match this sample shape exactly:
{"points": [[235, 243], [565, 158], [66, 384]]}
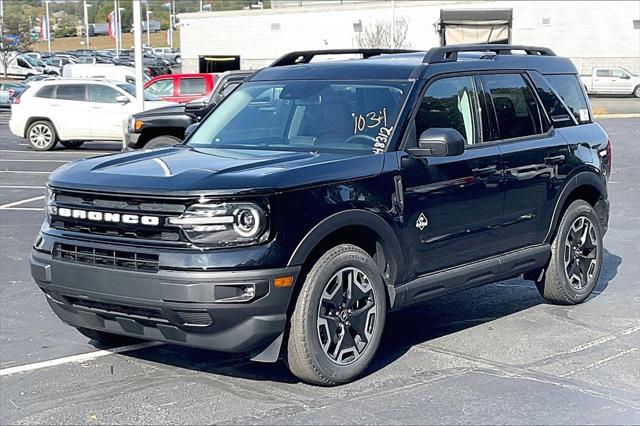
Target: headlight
{"points": [[49, 208], [224, 224]]}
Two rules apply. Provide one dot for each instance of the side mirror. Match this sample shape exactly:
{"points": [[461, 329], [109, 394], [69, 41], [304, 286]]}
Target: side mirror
{"points": [[194, 105], [123, 99], [189, 130], [439, 142]]}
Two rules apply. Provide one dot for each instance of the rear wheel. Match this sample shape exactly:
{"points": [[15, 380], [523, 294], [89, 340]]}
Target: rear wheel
{"points": [[162, 141], [107, 339], [41, 135], [72, 144], [576, 257], [339, 318]]}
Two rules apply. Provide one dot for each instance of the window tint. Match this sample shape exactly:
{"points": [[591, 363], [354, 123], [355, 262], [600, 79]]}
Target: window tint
{"points": [[103, 94], [46, 92], [569, 89], [560, 116], [22, 63], [603, 73], [449, 103], [161, 87], [516, 110], [192, 86], [71, 92]]}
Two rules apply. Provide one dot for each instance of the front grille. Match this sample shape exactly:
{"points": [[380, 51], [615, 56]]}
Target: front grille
{"points": [[113, 309], [138, 205], [114, 259]]}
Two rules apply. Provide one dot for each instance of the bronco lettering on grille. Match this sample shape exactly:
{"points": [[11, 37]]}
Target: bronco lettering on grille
{"points": [[131, 219]]}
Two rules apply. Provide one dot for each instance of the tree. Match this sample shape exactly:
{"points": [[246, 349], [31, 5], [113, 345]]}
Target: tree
{"points": [[384, 35], [16, 38]]}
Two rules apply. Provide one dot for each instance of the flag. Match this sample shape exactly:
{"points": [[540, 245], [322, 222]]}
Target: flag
{"points": [[44, 28], [112, 24]]}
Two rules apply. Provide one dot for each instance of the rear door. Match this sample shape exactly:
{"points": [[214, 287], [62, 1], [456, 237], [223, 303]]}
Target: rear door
{"points": [[603, 81], [534, 158], [69, 113], [453, 205], [106, 114]]}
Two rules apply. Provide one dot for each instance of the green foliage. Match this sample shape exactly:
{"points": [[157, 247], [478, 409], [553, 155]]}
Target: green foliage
{"points": [[65, 30]]}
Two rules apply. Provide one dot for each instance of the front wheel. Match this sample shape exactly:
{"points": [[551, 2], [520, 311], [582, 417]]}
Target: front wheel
{"points": [[576, 257], [42, 135], [162, 141], [636, 91], [339, 317]]}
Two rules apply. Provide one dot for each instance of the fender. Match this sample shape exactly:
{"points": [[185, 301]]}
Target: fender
{"points": [[391, 245], [583, 178]]}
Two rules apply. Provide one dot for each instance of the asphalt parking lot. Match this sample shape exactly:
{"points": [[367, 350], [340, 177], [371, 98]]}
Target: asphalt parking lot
{"points": [[495, 354]]}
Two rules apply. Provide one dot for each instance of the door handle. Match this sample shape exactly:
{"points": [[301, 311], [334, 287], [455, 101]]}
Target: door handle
{"points": [[485, 171], [554, 160]]}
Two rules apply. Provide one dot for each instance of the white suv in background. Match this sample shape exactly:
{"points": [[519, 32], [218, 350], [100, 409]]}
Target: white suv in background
{"points": [[74, 111]]}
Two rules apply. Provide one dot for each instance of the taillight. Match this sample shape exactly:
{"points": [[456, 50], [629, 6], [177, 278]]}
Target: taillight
{"points": [[16, 100]]}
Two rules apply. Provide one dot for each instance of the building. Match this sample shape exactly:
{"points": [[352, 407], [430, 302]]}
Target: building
{"points": [[590, 33]]}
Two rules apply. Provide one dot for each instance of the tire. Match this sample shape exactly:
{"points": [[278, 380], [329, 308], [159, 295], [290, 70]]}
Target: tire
{"points": [[162, 141], [42, 135], [178, 60], [72, 144], [636, 91], [576, 257], [107, 339], [317, 351]]}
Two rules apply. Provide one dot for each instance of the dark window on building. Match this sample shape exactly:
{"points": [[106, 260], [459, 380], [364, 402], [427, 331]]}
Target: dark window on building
{"points": [[46, 92], [636, 24], [71, 92], [516, 110], [569, 88], [192, 86], [449, 103]]}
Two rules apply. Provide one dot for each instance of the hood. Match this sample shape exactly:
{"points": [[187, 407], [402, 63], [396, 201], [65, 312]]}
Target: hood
{"points": [[164, 108], [184, 170], [154, 105]]}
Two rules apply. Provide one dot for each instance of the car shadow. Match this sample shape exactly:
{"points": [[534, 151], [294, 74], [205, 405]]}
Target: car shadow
{"points": [[403, 330]]}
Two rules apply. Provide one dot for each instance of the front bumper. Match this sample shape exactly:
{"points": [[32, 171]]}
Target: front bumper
{"points": [[131, 139], [179, 307]]}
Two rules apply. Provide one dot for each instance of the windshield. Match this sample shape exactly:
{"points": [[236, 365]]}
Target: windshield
{"points": [[31, 61], [131, 89], [305, 115]]}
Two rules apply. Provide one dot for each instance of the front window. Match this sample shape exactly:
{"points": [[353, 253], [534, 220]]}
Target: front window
{"points": [[162, 87], [305, 115]]}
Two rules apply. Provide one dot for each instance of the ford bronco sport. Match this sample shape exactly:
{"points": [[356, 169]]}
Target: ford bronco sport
{"points": [[319, 196]]}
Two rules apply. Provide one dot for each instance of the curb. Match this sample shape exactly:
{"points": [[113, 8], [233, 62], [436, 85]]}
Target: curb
{"points": [[632, 115]]}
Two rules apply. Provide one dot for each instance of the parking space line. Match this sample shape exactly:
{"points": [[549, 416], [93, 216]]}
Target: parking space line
{"points": [[23, 171], [75, 358], [24, 209], [33, 161], [22, 187], [17, 203], [61, 152]]}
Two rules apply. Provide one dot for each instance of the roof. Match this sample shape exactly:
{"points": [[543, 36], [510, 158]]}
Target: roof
{"points": [[411, 65]]}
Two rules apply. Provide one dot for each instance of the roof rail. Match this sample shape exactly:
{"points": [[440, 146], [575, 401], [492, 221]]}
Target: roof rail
{"points": [[450, 53], [305, 56]]}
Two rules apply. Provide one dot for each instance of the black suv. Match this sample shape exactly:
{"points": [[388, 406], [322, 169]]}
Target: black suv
{"points": [[319, 196]]}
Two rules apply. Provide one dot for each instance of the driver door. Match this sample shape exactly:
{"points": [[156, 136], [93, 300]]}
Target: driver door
{"points": [[452, 205], [106, 114]]}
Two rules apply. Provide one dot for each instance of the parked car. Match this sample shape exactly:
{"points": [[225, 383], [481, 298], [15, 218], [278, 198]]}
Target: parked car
{"points": [[72, 111], [168, 53], [7, 90], [101, 71], [21, 66], [181, 87], [316, 198], [612, 81], [166, 126]]}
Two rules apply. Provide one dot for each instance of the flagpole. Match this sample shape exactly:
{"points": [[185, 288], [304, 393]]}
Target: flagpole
{"points": [[137, 43], [172, 20], [119, 29], [46, 7], [115, 30]]}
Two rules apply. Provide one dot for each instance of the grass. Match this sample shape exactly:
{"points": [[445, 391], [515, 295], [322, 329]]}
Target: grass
{"points": [[105, 42]]}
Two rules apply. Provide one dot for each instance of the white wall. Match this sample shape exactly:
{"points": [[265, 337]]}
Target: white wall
{"points": [[591, 33]]}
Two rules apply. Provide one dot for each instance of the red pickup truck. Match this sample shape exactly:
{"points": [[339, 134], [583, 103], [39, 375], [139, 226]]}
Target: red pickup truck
{"points": [[181, 87]]}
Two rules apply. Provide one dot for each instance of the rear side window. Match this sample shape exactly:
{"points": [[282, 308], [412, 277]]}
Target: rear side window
{"points": [[192, 86], [603, 73], [46, 92], [569, 89], [71, 92], [516, 109]]}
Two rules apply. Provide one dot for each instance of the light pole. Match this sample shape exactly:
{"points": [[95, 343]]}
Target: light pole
{"points": [[86, 21], [200, 6], [137, 48], [46, 7], [148, 27], [119, 29]]}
